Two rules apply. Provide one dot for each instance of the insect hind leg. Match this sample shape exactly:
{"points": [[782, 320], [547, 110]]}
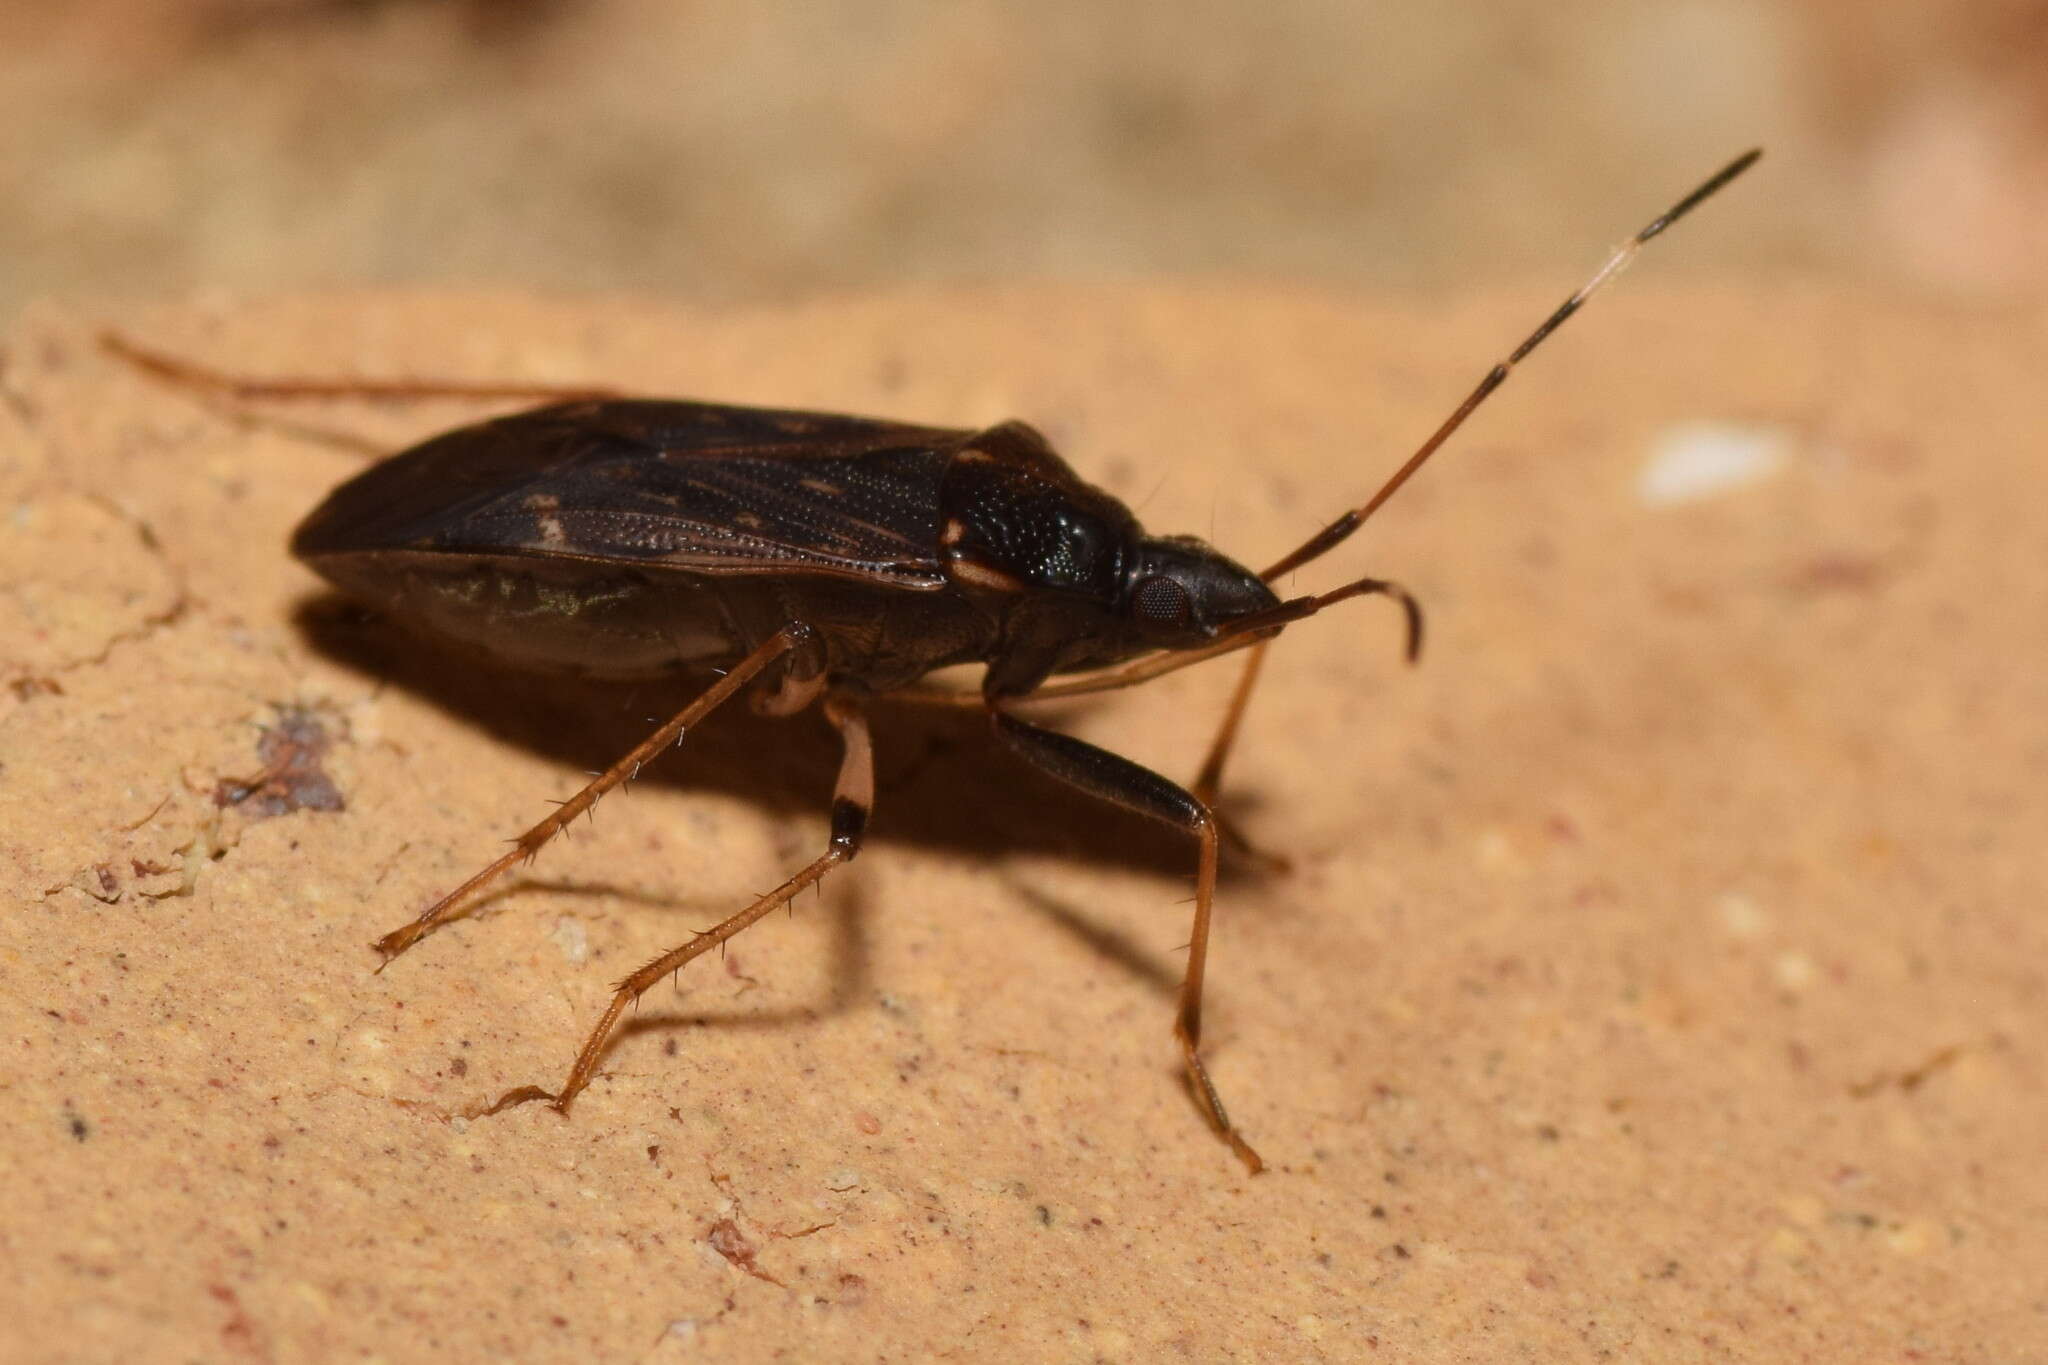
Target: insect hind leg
{"points": [[188, 374], [791, 637], [853, 798]]}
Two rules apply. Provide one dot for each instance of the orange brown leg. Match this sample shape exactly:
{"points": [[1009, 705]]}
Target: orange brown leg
{"points": [[1209, 781], [790, 637], [1137, 788], [852, 801], [240, 388]]}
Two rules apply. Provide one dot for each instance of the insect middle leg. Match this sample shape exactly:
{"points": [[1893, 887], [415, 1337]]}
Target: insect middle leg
{"points": [[852, 800], [1137, 788], [790, 637]]}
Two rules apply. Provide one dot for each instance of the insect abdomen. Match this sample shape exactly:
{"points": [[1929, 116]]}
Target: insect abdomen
{"points": [[547, 615]]}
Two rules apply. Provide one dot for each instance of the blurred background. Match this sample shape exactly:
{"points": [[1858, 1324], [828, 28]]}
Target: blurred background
{"points": [[725, 150]]}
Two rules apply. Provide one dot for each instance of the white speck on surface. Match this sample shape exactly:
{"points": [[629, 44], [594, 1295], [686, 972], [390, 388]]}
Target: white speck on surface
{"points": [[1695, 460], [1742, 917], [1795, 971], [569, 937]]}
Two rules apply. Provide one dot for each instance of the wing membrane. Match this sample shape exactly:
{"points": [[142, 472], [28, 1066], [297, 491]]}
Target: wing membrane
{"points": [[697, 486]]}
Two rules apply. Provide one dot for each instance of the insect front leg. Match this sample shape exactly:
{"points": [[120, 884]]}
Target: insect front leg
{"points": [[853, 798], [790, 637], [1137, 788], [1208, 782]]}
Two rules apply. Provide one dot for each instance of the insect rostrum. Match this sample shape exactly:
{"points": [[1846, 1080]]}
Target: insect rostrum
{"points": [[819, 559]]}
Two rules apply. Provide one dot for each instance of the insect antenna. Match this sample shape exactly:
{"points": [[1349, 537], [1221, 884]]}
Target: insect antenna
{"points": [[1253, 632], [1333, 535], [1265, 624]]}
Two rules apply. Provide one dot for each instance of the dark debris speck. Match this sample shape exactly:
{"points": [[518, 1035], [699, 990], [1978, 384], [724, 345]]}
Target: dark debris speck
{"points": [[291, 778]]}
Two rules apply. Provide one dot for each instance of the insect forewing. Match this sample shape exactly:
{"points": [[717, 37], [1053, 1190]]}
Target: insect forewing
{"points": [[695, 486]]}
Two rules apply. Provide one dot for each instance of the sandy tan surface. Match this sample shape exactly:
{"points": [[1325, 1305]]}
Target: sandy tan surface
{"points": [[1660, 977]]}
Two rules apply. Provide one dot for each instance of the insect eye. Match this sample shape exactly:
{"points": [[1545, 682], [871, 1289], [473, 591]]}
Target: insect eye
{"points": [[1162, 601]]}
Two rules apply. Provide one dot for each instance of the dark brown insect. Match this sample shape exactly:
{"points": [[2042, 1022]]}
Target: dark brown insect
{"points": [[828, 559]]}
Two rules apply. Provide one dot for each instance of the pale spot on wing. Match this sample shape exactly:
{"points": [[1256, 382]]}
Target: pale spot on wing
{"points": [[979, 575]]}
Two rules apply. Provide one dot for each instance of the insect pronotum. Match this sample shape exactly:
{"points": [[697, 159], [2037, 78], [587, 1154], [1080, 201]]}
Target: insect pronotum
{"points": [[821, 559]]}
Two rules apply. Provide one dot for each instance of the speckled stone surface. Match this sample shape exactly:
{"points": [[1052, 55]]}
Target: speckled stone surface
{"points": [[1660, 975]]}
